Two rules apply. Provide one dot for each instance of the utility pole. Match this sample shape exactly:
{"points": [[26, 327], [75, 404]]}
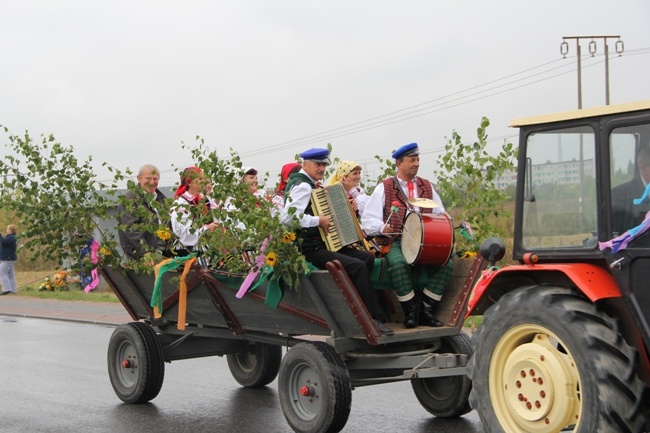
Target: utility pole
{"points": [[564, 50]]}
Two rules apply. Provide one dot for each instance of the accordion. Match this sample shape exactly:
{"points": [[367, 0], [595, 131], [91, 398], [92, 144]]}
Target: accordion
{"points": [[333, 202]]}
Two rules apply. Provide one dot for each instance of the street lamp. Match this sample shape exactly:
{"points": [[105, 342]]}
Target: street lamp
{"points": [[564, 50]]}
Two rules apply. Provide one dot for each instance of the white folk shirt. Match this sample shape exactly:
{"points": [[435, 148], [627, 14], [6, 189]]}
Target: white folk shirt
{"points": [[182, 224], [298, 197]]}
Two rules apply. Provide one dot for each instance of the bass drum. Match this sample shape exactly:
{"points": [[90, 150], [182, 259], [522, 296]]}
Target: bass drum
{"points": [[427, 239]]}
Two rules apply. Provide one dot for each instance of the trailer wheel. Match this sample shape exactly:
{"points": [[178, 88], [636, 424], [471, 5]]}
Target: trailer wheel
{"points": [[314, 387], [446, 397], [136, 365], [256, 367], [545, 359]]}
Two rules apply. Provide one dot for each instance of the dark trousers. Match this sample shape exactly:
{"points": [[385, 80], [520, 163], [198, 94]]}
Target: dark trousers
{"points": [[357, 264]]}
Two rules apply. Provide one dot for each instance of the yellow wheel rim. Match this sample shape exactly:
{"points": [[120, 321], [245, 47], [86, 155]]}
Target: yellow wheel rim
{"points": [[534, 382]]}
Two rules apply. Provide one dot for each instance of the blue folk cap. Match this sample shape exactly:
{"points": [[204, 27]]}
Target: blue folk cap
{"points": [[410, 149], [316, 154]]}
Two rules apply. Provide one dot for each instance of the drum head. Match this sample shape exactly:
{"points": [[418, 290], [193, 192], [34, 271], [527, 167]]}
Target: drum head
{"points": [[412, 237]]}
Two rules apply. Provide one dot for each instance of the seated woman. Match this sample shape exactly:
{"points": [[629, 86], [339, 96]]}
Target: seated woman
{"points": [[190, 214], [348, 174], [278, 198]]}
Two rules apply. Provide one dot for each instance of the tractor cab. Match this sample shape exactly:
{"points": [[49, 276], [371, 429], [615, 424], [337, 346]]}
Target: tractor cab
{"points": [[564, 341]]}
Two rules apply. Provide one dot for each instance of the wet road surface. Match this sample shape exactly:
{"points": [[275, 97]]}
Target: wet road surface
{"points": [[53, 378]]}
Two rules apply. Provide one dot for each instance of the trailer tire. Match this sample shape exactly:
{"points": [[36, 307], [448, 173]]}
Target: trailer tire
{"points": [[546, 359], [315, 388], [256, 367], [136, 364], [447, 397]]}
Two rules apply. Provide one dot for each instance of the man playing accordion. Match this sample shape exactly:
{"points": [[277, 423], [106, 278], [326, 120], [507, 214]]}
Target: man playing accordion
{"points": [[298, 196]]}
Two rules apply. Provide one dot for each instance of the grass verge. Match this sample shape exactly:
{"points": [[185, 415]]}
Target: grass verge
{"points": [[28, 283]]}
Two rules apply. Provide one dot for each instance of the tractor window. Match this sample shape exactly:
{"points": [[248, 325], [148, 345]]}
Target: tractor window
{"points": [[560, 199], [629, 157]]}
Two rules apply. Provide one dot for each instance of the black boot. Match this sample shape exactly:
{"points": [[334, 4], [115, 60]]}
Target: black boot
{"points": [[410, 314], [426, 314]]}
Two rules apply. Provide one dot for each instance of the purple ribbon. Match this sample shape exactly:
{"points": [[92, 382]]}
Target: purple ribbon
{"points": [[94, 257], [254, 272], [621, 242]]}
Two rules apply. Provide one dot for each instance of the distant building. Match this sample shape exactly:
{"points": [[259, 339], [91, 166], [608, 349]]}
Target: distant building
{"points": [[566, 172]]}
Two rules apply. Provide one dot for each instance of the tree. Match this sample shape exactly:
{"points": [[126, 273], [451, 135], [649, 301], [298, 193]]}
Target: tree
{"points": [[467, 176], [55, 197]]}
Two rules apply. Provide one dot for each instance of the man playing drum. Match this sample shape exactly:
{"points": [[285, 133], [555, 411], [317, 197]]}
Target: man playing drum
{"points": [[384, 219]]}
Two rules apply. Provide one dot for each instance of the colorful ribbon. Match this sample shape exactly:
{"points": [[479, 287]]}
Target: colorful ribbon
{"points": [[621, 242], [159, 270], [254, 272], [94, 274]]}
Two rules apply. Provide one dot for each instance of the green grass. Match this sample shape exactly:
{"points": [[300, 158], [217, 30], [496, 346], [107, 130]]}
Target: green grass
{"points": [[69, 295], [29, 282]]}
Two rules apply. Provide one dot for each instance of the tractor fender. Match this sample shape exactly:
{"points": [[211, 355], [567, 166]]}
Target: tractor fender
{"points": [[593, 281]]}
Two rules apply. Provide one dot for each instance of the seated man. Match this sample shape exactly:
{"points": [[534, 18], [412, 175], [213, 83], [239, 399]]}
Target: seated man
{"points": [[379, 220], [357, 264], [625, 214], [137, 212]]}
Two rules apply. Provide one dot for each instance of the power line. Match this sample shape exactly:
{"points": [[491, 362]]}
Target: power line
{"points": [[416, 111]]}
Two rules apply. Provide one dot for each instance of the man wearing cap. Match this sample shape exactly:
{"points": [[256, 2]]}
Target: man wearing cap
{"points": [[379, 220], [357, 264]]}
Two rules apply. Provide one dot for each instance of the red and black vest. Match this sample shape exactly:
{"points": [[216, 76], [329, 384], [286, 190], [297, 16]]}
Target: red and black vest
{"points": [[393, 192]]}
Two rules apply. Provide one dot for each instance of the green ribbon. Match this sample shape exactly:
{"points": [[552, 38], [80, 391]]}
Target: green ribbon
{"points": [[156, 296]]}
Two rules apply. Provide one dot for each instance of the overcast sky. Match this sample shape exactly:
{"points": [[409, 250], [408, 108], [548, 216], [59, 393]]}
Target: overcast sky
{"points": [[128, 81]]}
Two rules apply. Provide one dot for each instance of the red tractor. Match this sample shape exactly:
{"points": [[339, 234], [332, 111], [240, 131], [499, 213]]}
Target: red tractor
{"points": [[564, 344]]}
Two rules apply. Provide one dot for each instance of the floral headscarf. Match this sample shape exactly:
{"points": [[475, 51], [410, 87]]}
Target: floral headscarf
{"points": [[187, 176], [343, 169]]}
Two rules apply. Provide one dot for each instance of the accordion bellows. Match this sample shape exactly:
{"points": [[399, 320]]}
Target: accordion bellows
{"points": [[333, 202]]}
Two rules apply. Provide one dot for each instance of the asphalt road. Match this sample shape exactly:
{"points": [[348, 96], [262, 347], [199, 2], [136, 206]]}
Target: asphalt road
{"points": [[53, 378]]}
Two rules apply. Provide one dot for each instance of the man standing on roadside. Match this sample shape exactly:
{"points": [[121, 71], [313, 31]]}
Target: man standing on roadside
{"points": [[8, 259]]}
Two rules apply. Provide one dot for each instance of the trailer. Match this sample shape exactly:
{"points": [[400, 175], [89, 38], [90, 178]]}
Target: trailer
{"points": [[332, 344]]}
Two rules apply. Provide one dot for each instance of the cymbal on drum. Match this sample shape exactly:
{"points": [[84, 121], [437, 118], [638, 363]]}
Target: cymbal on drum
{"points": [[424, 202]]}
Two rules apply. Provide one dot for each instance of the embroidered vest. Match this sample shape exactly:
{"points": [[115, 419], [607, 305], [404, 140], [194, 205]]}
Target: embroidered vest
{"points": [[297, 179], [393, 192]]}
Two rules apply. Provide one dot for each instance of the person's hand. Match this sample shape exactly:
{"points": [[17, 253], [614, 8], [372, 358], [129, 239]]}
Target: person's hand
{"points": [[347, 183], [387, 229], [324, 222], [212, 226], [355, 206]]}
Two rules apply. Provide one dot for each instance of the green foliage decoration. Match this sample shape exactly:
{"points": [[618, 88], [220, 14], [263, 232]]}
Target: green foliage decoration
{"points": [[248, 222], [55, 197], [467, 176]]}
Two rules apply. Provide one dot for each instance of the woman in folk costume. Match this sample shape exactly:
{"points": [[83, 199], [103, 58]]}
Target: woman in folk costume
{"points": [[348, 174], [190, 215], [278, 198]]}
